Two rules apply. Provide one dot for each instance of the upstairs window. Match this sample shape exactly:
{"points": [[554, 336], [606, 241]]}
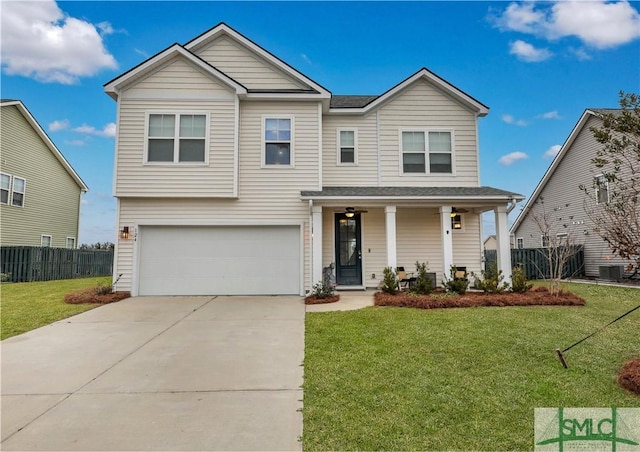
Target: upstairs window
{"points": [[45, 240], [347, 147], [5, 188], [19, 186], [601, 185], [71, 243], [177, 138], [422, 150], [544, 241], [277, 145], [520, 243]]}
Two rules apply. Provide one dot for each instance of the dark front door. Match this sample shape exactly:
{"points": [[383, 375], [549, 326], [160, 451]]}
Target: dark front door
{"points": [[348, 253]]}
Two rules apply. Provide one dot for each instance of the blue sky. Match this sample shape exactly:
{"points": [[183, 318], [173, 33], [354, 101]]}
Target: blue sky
{"points": [[536, 65]]}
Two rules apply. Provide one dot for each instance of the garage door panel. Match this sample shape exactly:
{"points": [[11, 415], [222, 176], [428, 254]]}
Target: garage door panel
{"points": [[219, 260]]}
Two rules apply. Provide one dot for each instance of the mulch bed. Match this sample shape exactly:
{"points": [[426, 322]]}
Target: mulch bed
{"points": [[535, 297], [93, 295], [310, 299], [629, 376]]}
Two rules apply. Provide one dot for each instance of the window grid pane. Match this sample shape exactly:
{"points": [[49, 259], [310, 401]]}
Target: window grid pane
{"points": [[18, 185], [277, 154], [413, 141], [440, 163], [347, 138], [439, 141], [413, 163], [191, 151], [192, 126], [6, 182], [347, 155], [162, 125], [160, 150]]}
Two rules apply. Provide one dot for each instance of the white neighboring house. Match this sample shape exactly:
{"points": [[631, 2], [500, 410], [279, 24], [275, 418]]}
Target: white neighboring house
{"points": [[560, 191], [237, 174]]}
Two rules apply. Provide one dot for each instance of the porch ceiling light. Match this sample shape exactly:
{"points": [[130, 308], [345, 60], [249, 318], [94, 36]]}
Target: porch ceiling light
{"points": [[350, 212], [124, 232]]}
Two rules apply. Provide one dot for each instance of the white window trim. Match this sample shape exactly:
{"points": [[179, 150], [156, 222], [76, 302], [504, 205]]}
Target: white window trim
{"points": [[519, 241], [339, 146], [42, 240], [176, 137], [9, 197], [67, 243], [263, 142], [23, 193], [426, 151], [597, 188], [542, 237]]}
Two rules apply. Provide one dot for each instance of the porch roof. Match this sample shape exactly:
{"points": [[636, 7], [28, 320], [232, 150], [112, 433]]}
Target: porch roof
{"points": [[431, 193]]}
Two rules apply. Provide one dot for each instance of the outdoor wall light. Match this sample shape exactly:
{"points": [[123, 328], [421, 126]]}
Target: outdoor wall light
{"points": [[124, 232]]}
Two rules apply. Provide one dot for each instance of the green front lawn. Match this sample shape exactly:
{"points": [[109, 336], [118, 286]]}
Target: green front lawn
{"points": [[26, 306], [464, 379]]}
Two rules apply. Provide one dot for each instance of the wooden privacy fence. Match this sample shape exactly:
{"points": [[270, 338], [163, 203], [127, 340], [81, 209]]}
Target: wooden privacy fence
{"points": [[535, 261], [34, 263]]}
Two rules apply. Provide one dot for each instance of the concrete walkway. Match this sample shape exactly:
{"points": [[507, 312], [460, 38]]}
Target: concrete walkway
{"points": [[195, 373], [349, 300]]}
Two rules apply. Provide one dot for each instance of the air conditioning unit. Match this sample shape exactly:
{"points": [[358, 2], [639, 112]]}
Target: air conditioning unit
{"points": [[611, 272]]}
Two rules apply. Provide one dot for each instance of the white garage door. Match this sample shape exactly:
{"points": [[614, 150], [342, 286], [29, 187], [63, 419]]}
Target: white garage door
{"points": [[229, 260]]}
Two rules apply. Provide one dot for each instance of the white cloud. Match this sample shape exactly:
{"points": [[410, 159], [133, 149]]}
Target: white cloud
{"points": [[580, 54], [509, 119], [40, 41], [512, 157], [552, 151], [305, 58], [597, 23], [550, 115], [59, 125], [526, 52], [107, 131]]}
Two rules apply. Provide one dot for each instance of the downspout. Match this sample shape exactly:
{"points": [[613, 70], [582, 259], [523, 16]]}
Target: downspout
{"points": [[511, 206]]}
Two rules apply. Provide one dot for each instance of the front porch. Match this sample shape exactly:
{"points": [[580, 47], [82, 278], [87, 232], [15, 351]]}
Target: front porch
{"points": [[364, 230]]}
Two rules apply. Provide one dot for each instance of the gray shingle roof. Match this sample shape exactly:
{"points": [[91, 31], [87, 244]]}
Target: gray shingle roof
{"points": [[351, 101], [401, 192]]}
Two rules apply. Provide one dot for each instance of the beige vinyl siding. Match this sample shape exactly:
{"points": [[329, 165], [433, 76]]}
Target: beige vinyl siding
{"points": [[183, 86], [266, 195], [52, 197], [564, 201], [365, 173], [246, 67], [421, 106], [467, 244], [418, 238]]}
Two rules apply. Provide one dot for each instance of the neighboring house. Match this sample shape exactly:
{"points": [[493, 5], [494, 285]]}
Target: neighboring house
{"points": [[237, 174], [559, 194], [40, 192], [490, 243]]}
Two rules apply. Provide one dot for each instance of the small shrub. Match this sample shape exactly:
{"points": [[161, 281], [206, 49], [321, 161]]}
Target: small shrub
{"points": [[455, 285], [389, 281], [4, 277], [491, 280], [322, 290], [422, 285], [519, 280]]}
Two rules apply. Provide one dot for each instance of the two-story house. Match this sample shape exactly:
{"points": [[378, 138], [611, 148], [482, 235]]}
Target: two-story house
{"points": [[40, 193], [558, 195], [237, 174]]}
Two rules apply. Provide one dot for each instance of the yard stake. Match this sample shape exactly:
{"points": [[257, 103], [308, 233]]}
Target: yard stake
{"points": [[561, 353]]}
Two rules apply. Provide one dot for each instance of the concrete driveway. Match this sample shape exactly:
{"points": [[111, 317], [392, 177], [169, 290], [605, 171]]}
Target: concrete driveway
{"points": [[170, 373]]}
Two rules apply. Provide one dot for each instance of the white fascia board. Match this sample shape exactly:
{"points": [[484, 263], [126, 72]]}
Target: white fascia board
{"points": [[146, 68], [47, 141], [498, 199], [224, 29], [285, 96], [552, 167]]}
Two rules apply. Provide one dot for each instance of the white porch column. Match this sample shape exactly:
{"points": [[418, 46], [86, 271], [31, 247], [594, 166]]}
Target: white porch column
{"points": [[316, 244], [502, 242], [447, 238], [390, 228]]}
